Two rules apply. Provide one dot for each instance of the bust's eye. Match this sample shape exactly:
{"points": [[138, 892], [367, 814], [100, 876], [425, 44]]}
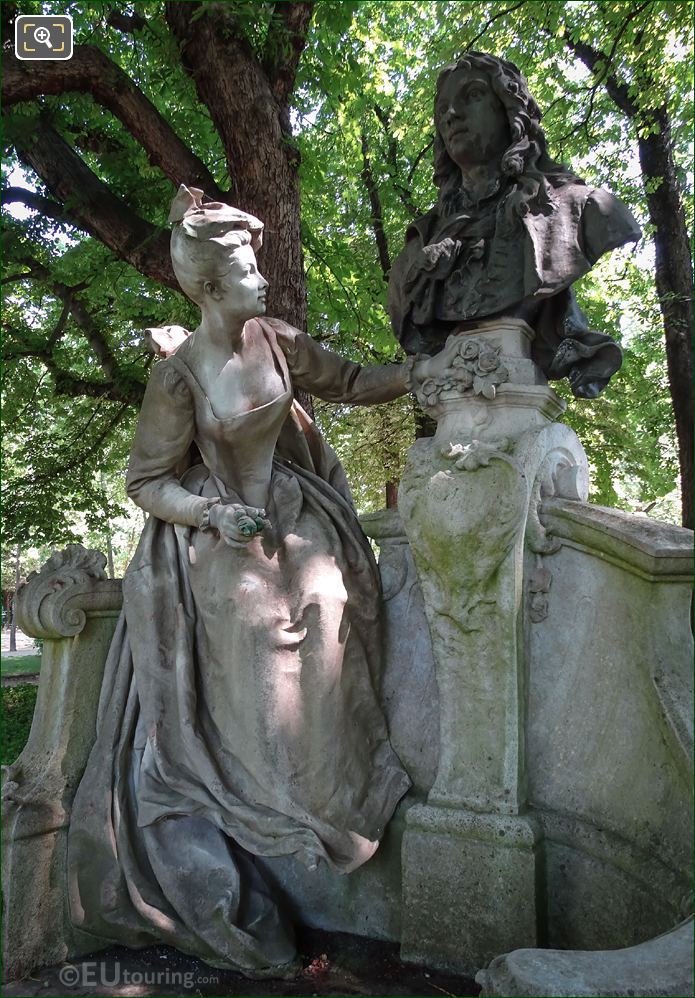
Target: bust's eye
{"points": [[477, 91]]}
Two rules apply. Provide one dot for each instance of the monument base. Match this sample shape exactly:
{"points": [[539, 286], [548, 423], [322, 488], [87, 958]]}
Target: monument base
{"points": [[470, 887]]}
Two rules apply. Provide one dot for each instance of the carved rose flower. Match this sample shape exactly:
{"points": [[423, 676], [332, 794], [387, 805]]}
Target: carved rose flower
{"points": [[470, 350], [488, 361]]}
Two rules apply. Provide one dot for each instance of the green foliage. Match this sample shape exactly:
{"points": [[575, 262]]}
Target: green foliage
{"points": [[18, 704], [376, 82], [15, 665], [364, 89]]}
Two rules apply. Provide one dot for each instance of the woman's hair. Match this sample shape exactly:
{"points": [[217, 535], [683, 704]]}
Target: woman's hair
{"points": [[196, 260], [526, 161], [202, 237]]}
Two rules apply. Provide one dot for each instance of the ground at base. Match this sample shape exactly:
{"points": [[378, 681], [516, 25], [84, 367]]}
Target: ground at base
{"points": [[334, 963]]}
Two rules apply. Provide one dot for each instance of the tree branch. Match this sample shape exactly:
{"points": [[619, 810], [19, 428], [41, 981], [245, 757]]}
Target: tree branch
{"points": [[377, 217], [592, 58], [404, 193], [90, 71], [61, 324], [284, 45], [128, 23], [89, 204], [416, 162], [495, 17], [85, 455], [95, 338], [118, 387], [13, 195]]}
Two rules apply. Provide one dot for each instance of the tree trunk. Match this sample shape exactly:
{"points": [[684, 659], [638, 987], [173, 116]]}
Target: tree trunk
{"points": [[248, 103], [674, 285], [392, 495], [254, 127], [674, 266], [13, 618]]}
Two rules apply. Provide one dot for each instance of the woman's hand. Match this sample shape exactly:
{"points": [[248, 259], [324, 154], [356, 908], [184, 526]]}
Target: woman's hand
{"points": [[237, 524], [420, 370]]}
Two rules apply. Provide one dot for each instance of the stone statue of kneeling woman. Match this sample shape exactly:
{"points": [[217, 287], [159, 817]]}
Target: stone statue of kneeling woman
{"points": [[238, 715]]}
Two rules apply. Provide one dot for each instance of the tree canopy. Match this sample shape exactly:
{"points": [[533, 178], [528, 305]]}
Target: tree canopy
{"points": [[317, 117]]}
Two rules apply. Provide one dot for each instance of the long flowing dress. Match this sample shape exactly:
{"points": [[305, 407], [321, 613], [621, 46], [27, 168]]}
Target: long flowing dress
{"points": [[239, 714]]}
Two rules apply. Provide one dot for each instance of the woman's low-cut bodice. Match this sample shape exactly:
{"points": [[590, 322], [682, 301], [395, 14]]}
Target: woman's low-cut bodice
{"points": [[238, 450]]}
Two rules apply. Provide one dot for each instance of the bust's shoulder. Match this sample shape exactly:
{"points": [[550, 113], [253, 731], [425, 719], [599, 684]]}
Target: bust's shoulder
{"points": [[421, 228], [607, 223]]}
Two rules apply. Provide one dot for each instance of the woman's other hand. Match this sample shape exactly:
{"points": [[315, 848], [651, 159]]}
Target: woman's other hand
{"points": [[237, 524]]}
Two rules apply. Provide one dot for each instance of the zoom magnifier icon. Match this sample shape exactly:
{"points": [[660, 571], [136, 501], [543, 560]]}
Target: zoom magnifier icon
{"points": [[43, 36]]}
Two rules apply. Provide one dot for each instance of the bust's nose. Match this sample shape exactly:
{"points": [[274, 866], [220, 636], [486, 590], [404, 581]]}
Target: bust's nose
{"points": [[451, 115]]}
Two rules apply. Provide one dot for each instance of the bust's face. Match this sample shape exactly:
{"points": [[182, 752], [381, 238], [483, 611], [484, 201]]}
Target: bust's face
{"points": [[471, 119]]}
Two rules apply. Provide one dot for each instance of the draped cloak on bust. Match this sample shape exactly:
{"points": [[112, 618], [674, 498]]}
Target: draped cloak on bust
{"points": [[239, 713]]}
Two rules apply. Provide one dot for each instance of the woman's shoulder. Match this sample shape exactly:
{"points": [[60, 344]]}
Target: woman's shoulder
{"points": [[168, 378], [282, 332]]}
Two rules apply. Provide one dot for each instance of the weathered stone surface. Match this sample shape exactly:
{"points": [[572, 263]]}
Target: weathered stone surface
{"points": [[55, 601], [366, 902], [662, 966], [609, 737], [369, 900], [469, 499], [73, 606], [409, 692], [469, 885]]}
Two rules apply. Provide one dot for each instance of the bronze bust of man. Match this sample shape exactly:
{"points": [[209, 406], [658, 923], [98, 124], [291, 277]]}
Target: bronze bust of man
{"points": [[511, 232]]}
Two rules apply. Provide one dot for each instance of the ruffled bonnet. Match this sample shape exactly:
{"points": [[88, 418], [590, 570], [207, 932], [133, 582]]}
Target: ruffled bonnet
{"points": [[213, 219]]}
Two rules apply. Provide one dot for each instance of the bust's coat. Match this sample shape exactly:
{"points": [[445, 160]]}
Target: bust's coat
{"points": [[525, 270]]}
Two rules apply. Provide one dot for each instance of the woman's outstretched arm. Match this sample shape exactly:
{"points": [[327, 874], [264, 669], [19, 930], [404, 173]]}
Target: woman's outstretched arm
{"points": [[329, 376]]}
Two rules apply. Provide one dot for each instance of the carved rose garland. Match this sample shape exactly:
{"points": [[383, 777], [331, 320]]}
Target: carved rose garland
{"points": [[475, 369]]}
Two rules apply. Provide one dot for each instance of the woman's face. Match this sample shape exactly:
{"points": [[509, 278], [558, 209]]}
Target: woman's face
{"points": [[241, 288], [471, 119]]}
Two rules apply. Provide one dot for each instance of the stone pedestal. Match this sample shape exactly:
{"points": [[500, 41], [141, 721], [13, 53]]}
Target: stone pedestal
{"points": [[469, 500], [469, 885], [73, 607]]}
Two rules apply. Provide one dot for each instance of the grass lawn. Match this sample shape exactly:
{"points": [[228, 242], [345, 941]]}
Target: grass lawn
{"points": [[17, 711], [21, 663]]}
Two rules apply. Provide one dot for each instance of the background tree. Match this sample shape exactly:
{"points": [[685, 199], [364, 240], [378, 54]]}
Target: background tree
{"points": [[378, 116], [175, 92], [245, 100]]}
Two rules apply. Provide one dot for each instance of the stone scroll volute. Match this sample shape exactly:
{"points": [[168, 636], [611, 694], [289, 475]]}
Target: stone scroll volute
{"points": [[54, 602]]}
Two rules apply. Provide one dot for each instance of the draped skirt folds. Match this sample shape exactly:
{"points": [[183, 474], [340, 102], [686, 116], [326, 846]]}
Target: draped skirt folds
{"points": [[239, 717]]}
